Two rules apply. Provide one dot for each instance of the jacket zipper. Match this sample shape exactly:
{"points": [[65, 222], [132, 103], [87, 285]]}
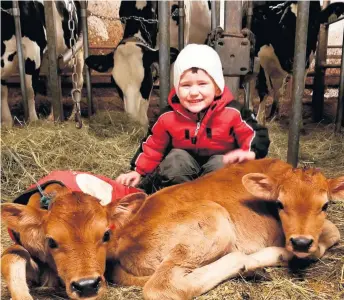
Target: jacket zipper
{"points": [[198, 125]]}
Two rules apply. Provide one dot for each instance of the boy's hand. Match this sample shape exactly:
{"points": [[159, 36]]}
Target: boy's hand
{"points": [[238, 155], [130, 179]]}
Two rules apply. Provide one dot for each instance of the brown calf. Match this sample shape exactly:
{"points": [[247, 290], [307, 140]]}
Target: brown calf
{"points": [[181, 241]]}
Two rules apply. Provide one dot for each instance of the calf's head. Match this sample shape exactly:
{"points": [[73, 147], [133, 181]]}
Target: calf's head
{"points": [[302, 198], [72, 237]]}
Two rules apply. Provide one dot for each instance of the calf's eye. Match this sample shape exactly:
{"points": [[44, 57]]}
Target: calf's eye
{"points": [[106, 236], [325, 207], [52, 244]]}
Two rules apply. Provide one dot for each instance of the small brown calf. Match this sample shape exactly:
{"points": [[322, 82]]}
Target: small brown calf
{"points": [[181, 241]]}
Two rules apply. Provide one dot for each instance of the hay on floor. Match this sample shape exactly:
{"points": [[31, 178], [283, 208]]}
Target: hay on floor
{"points": [[105, 146]]}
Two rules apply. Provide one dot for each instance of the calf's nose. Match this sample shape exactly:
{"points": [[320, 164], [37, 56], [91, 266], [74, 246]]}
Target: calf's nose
{"points": [[86, 287], [301, 244]]}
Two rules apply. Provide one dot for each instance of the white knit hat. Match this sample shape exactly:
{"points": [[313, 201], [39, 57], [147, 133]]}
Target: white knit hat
{"points": [[202, 57]]}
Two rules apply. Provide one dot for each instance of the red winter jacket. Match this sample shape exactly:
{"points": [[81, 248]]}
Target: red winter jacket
{"points": [[225, 126]]}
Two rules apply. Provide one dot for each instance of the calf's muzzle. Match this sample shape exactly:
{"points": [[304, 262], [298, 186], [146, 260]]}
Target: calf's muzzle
{"points": [[301, 244], [86, 287]]}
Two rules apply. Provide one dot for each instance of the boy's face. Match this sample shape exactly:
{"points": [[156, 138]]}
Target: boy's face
{"points": [[196, 90]]}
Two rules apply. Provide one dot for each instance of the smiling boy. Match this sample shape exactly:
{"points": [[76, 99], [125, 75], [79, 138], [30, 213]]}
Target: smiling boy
{"points": [[202, 129]]}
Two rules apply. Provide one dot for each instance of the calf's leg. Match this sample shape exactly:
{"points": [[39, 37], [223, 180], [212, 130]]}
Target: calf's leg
{"points": [[118, 275], [175, 279], [231, 265], [17, 268], [6, 117], [329, 237]]}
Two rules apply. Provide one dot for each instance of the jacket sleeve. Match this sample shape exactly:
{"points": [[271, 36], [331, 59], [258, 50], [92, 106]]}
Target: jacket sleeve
{"points": [[152, 148], [248, 133]]}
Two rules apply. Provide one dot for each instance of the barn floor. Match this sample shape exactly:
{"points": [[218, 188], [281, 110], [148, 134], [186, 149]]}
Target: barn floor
{"points": [[323, 280]]}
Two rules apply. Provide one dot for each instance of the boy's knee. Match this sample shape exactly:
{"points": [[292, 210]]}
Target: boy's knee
{"points": [[178, 163], [214, 163]]}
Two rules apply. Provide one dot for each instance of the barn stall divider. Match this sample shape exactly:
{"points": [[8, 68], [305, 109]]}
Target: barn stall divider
{"points": [[319, 75], [54, 72], [164, 62]]}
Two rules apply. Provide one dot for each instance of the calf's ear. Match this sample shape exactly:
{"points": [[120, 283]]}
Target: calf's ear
{"points": [[123, 210], [18, 217], [100, 63], [260, 186], [336, 188]]}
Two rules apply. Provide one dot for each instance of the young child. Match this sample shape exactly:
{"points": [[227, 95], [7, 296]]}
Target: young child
{"points": [[202, 129]]}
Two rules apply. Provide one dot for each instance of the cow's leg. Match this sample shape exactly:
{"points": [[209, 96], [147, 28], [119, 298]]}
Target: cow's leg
{"points": [[8, 67], [277, 85], [6, 117], [233, 264], [262, 92], [252, 88], [33, 59], [31, 97], [330, 236], [17, 268]]}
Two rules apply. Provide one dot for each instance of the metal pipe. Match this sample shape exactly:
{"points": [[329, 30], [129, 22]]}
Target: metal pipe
{"points": [[54, 78], [319, 78], [249, 14], [298, 81], [218, 12], [21, 62], [340, 107], [233, 22], [87, 71], [330, 66], [102, 47], [213, 15], [248, 25], [181, 13], [164, 52], [67, 56]]}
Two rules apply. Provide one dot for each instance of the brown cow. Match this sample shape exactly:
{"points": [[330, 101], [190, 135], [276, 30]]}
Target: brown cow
{"points": [[181, 241]]}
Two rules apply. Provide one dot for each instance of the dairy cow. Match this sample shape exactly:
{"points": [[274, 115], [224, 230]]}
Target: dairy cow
{"points": [[274, 26], [34, 43], [130, 63]]}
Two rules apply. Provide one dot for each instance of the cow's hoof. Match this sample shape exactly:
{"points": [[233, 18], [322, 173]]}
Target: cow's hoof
{"points": [[50, 118], [33, 118]]}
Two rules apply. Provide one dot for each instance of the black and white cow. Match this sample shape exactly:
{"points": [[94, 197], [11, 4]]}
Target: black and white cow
{"points": [[274, 26], [130, 63], [34, 47]]}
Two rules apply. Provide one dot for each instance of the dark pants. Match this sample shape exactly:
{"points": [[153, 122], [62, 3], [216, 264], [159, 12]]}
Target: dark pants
{"points": [[179, 166]]}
